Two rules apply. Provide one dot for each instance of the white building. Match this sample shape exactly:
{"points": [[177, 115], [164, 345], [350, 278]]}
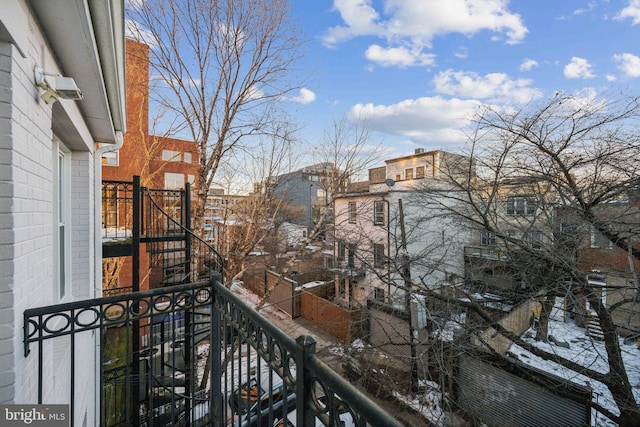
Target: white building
{"points": [[49, 176], [371, 250]]}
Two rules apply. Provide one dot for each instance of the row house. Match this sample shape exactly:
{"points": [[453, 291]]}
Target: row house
{"points": [[610, 269], [520, 215], [397, 227]]}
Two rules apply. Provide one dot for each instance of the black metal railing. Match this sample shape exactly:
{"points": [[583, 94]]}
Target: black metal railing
{"points": [[486, 252], [206, 359], [161, 221], [176, 252], [117, 210]]}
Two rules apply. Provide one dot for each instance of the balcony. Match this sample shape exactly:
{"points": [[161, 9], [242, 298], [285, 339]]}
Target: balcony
{"points": [[486, 252], [191, 354], [348, 269]]}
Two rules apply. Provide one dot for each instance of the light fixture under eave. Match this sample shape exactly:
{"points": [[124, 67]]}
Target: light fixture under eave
{"points": [[56, 86]]}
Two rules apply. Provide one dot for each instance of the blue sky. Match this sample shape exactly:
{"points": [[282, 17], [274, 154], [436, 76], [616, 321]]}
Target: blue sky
{"points": [[416, 68]]}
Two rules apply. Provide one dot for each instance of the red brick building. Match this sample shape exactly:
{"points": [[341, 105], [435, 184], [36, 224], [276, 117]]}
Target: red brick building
{"points": [[161, 162]]}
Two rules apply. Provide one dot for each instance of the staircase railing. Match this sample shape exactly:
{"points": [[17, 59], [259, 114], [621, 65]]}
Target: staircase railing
{"points": [[181, 255]]}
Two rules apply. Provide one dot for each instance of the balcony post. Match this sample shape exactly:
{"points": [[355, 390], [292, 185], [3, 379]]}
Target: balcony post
{"points": [[135, 287], [306, 347], [216, 399]]}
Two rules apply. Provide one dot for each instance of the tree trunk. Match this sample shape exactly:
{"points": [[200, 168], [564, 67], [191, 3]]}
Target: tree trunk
{"points": [[542, 329], [618, 382]]}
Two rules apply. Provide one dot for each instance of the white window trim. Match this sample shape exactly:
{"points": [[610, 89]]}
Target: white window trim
{"points": [[379, 216], [352, 212], [61, 217], [594, 240]]}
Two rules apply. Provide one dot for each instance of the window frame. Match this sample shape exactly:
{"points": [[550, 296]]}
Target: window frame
{"points": [[172, 178], [595, 237], [488, 238], [378, 212], [521, 206], [61, 221], [352, 212], [408, 173], [379, 255], [379, 294], [536, 243]]}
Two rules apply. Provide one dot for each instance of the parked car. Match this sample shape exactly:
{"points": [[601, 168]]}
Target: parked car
{"points": [[258, 401]]}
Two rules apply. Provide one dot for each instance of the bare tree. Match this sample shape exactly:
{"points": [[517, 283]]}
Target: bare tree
{"points": [[347, 150], [222, 66], [550, 179]]}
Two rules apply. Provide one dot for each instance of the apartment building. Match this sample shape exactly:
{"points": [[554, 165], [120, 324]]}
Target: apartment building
{"points": [[397, 227]]}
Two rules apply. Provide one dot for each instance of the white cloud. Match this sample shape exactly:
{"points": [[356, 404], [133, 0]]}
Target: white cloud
{"points": [[461, 53], [578, 68], [611, 78], [493, 86], [432, 121], [628, 63], [631, 11], [414, 23], [134, 30], [591, 6], [528, 64], [305, 96], [398, 56], [361, 19]]}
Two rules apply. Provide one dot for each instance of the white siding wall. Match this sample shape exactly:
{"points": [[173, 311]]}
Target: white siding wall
{"points": [[26, 230]]}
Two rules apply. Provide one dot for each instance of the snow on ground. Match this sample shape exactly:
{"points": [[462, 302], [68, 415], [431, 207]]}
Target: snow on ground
{"points": [[582, 349], [587, 352]]}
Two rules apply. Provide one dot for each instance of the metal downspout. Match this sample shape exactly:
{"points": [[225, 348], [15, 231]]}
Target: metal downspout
{"points": [[97, 251]]}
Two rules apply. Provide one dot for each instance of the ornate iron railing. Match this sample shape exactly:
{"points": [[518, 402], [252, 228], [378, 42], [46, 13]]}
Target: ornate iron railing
{"points": [[206, 359]]}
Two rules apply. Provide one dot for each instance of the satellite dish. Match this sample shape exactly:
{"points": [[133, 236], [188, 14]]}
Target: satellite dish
{"points": [[389, 182]]}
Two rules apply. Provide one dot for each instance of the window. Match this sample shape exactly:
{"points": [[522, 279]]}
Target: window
{"points": [[378, 294], [408, 173], [321, 195], [535, 239], [521, 206], [569, 229], [352, 212], [341, 250], [187, 157], [61, 220], [170, 156], [378, 213], [598, 241], [420, 172], [487, 238], [173, 181], [109, 207], [351, 255], [398, 177], [378, 255]]}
